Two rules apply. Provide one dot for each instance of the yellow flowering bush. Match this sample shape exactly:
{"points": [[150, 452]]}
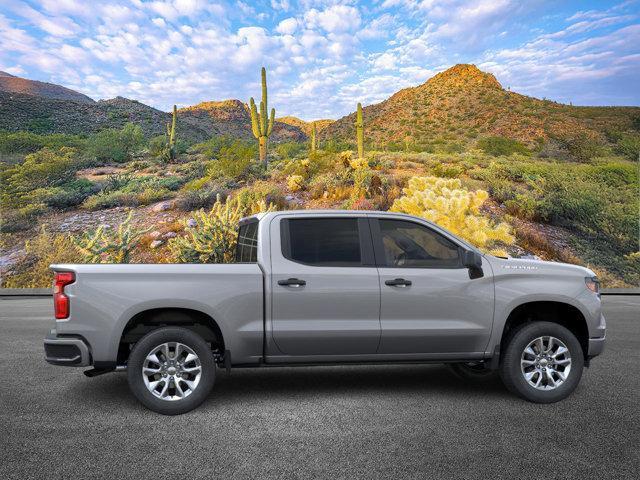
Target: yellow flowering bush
{"points": [[295, 182], [444, 201], [211, 236]]}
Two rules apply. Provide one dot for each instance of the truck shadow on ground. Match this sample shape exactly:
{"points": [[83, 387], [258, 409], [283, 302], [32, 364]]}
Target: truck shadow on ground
{"points": [[309, 383]]}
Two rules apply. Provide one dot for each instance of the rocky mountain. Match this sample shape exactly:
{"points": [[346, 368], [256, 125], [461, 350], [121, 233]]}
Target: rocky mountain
{"points": [[38, 110], [232, 117], [16, 85], [464, 103]]}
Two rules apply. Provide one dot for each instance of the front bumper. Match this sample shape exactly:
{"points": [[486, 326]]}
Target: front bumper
{"points": [[66, 351], [596, 346]]}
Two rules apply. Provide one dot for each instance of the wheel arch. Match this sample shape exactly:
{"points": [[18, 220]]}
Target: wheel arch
{"points": [[150, 319], [562, 313]]}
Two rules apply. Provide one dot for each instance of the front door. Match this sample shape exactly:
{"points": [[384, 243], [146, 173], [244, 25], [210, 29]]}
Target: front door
{"points": [[430, 305], [325, 288]]}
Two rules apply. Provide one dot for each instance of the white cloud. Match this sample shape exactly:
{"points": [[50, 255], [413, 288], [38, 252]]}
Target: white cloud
{"points": [[287, 26], [335, 19]]}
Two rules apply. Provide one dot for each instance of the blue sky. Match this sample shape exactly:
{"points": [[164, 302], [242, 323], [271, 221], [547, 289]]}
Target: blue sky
{"points": [[322, 56]]}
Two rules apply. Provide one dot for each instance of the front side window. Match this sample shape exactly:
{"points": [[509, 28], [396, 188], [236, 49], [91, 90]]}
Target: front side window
{"points": [[247, 247], [322, 241], [408, 244]]}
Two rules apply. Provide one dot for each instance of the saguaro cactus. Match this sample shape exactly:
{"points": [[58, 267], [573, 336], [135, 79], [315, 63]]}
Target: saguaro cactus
{"points": [[314, 138], [260, 124], [360, 132], [171, 136]]}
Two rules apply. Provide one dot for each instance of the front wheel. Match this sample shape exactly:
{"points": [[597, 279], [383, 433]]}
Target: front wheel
{"points": [[542, 362], [171, 370]]}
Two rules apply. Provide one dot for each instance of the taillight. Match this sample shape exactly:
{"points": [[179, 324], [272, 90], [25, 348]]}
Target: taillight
{"points": [[60, 300]]}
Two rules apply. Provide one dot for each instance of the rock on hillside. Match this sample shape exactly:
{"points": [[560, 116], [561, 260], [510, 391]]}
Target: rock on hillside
{"points": [[464, 103], [232, 117], [12, 84]]}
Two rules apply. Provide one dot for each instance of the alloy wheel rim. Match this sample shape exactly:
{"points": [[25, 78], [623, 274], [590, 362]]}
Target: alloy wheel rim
{"points": [[171, 371], [545, 363]]}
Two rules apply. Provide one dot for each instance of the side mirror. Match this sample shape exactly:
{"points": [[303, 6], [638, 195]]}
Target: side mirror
{"points": [[471, 259]]}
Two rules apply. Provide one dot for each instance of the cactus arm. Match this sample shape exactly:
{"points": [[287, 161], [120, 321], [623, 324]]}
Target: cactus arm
{"points": [[172, 138], [254, 118], [271, 120]]}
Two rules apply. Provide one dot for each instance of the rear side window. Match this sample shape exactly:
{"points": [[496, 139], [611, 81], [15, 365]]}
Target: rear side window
{"points": [[322, 241], [408, 244], [247, 247]]}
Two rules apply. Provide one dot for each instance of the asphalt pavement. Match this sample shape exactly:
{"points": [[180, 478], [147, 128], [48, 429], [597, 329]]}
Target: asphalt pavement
{"points": [[343, 422]]}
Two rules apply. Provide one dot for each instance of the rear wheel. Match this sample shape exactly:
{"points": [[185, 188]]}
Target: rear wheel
{"points": [[171, 370], [542, 362]]}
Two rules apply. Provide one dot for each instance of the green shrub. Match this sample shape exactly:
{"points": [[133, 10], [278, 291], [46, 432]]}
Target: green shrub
{"points": [[498, 146], [234, 159], [211, 148], [289, 150], [116, 145], [42, 169], [22, 218], [188, 201], [447, 170], [123, 198], [581, 146], [629, 146], [43, 250], [27, 142]]}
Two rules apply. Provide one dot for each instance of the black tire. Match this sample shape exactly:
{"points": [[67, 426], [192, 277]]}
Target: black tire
{"points": [[511, 370], [158, 337], [476, 372]]}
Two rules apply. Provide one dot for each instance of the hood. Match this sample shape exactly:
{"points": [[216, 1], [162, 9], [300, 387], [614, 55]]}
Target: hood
{"points": [[523, 266]]}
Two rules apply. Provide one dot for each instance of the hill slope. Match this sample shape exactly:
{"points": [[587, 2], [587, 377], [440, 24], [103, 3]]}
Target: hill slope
{"points": [[232, 118], [21, 111], [12, 84], [305, 126], [463, 103]]}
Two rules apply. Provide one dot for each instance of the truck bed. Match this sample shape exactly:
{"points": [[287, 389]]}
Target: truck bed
{"points": [[105, 297]]}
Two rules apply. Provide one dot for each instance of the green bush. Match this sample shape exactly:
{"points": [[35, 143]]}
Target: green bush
{"points": [[234, 159], [43, 169], [28, 142], [23, 218], [41, 251], [289, 150], [116, 145], [498, 146], [629, 146], [581, 146], [122, 198]]}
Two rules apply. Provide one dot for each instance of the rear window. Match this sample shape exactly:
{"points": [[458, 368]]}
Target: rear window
{"points": [[322, 241], [247, 248]]}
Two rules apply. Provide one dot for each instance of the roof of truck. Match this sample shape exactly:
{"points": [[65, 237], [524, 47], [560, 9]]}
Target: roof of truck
{"points": [[327, 211]]}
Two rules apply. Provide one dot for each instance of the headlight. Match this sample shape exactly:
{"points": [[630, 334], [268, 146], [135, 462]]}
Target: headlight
{"points": [[593, 284]]}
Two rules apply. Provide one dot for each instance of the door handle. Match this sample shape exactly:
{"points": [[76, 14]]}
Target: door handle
{"points": [[398, 282], [292, 282]]}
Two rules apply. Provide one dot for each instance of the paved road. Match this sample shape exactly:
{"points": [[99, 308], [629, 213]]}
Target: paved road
{"points": [[317, 422]]}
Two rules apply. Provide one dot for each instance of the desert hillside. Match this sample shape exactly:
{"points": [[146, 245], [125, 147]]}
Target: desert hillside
{"points": [[11, 84], [463, 103]]}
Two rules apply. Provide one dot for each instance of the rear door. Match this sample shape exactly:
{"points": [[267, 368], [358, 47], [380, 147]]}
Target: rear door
{"points": [[325, 286], [430, 304]]}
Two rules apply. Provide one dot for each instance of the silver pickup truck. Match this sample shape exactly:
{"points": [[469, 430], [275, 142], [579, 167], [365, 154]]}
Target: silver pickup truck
{"points": [[317, 287]]}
